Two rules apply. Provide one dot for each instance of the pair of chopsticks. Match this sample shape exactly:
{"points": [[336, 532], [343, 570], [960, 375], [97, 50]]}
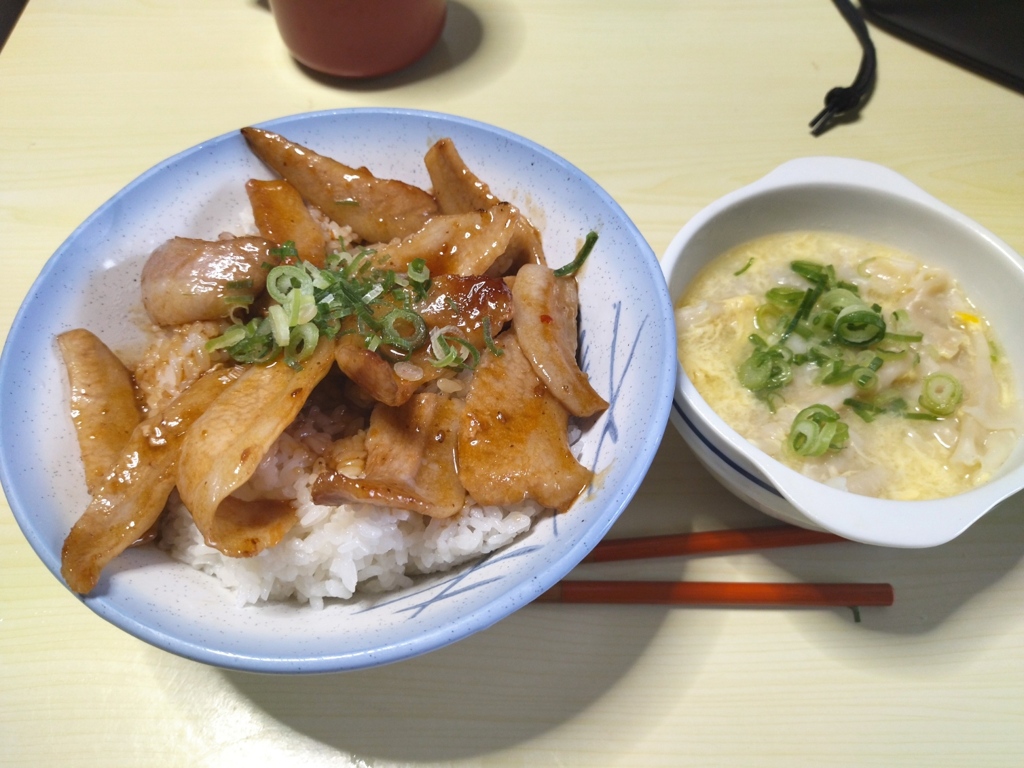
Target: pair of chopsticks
{"points": [[852, 596]]}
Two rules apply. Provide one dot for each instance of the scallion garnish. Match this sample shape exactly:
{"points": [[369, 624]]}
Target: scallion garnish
{"points": [[573, 267], [346, 296], [229, 338], [859, 326], [415, 329], [817, 429], [848, 339], [744, 268], [785, 296], [418, 271], [489, 339], [284, 252], [941, 393]]}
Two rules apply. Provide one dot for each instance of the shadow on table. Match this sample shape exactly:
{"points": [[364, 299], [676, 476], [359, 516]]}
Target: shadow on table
{"points": [[931, 585], [498, 689], [547, 664]]}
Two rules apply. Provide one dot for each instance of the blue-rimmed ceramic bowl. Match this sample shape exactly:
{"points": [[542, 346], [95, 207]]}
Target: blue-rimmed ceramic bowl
{"points": [[874, 203], [627, 343]]}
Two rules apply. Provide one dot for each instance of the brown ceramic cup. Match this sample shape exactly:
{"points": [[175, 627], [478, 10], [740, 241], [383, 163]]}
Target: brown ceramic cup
{"points": [[359, 38]]}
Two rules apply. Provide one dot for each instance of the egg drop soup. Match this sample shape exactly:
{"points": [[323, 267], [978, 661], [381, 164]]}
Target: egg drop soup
{"points": [[851, 362]]}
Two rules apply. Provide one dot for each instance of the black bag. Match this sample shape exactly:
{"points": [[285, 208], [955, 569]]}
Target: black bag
{"points": [[985, 36]]}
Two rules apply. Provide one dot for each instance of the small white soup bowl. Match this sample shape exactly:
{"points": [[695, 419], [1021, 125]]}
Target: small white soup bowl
{"points": [[873, 203]]}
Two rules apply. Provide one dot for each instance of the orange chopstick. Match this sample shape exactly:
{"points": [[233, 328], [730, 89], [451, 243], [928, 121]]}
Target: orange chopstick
{"points": [[765, 537], [715, 592], [719, 593]]}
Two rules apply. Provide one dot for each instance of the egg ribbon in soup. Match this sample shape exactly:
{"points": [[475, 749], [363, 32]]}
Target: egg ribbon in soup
{"points": [[852, 363]]}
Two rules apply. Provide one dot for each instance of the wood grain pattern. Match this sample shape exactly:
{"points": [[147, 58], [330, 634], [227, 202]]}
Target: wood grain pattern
{"points": [[668, 106]]}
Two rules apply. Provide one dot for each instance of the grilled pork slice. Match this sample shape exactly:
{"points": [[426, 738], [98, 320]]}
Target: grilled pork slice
{"points": [[378, 210], [513, 441]]}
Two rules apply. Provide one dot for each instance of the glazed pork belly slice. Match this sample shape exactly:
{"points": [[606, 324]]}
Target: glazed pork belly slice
{"points": [[513, 437], [378, 210], [282, 216], [410, 460], [185, 279]]}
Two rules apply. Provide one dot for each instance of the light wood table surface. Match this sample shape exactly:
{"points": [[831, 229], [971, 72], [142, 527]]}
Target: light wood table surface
{"points": [[668, 105]]}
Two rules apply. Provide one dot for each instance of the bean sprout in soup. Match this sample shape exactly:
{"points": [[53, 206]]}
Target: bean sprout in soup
{"points": [[851, 362]]}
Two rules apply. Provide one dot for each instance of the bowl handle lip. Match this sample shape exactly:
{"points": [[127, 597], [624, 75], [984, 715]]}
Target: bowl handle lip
{"points": [[900, 524], [822, 169], [841, 170]]}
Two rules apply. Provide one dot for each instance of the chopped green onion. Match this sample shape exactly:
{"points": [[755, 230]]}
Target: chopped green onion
{"points": [[744, 268], [867, 411], [770, 318], [229, 338], [810, 298], [279, 325], [859, 326], [817, 429], [809, 270], [473, 358], [354, 264], [941, 393], [444, 354], [906, 338], [286, 278], [573, 267], [372, 294], [286, 250], [765, 370], [301, 344], [785, 296], [393, 336], [418, 271], [489, 339], [865, 378], [839, 299]]}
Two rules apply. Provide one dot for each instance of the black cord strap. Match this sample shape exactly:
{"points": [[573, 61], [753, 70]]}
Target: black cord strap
{"points": [[840, 101]]}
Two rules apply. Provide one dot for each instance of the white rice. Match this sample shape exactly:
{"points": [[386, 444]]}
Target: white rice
{"points": [[333, 551]]}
